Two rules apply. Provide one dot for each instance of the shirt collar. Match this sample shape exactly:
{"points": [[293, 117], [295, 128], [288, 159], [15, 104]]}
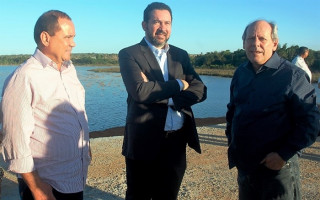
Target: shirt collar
{"points": [[299, 57], [274, 62], [157, 51], [46, 61]]}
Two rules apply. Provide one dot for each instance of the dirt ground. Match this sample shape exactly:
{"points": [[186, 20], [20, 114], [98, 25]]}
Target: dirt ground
{"points": [[207, 176]]}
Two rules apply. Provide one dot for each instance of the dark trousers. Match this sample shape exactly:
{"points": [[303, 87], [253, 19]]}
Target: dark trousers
{"points": [[159, 179], [265, 184], [25, 193]]}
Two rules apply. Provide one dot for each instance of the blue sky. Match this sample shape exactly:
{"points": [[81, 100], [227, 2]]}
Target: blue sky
{"points": [[199, 26]]}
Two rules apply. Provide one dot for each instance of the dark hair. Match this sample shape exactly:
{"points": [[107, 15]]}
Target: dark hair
{"points": [[302, 50], [155, 6], [48, 22]]}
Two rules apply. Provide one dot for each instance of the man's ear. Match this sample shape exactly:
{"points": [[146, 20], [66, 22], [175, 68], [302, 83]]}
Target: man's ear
{"points": [[45, 38], [275, 45], [144, 25]]}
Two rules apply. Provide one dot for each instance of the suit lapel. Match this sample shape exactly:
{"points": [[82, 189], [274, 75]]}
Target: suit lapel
{"points": [[152, 61], [171, 68]]}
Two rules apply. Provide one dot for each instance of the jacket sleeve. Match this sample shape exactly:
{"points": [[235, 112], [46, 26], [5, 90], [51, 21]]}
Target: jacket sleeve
{"points": [[196, 92], [153, 91]]}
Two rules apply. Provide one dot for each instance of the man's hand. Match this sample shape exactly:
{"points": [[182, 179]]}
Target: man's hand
{"points": [[145, 79], [43, 193], [185, 84], [40, 190], [273, 161]]}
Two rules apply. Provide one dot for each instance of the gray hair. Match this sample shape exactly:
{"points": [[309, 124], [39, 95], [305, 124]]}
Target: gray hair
{"points": [[274, 30]]}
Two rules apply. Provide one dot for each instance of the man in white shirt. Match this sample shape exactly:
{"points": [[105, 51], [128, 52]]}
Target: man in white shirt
{"points": [[299, 61], [45, 126]]}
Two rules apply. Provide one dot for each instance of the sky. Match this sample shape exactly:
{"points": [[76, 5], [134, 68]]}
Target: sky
{"points": [[198, 26]]}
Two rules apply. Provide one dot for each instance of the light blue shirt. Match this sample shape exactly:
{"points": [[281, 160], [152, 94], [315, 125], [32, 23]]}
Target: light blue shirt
{"points": [[175, 118]]}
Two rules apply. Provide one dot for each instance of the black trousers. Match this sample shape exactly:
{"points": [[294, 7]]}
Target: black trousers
{"points": [[159, 179], [266, 184], [25, 193]]}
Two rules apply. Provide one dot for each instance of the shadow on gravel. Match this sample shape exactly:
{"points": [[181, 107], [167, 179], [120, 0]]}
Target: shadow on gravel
{"points": [[91, 193], [10, 191], [314, 147], [311, 156], [213, 139]]}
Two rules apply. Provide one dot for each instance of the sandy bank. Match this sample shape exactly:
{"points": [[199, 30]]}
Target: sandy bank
{"points": [[207, 176]]}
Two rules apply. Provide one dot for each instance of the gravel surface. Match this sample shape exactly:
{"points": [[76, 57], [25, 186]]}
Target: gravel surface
{"points": [[207, 176]]}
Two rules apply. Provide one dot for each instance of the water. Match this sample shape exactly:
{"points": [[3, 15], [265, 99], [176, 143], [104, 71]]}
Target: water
{"points": [[106, 97]]}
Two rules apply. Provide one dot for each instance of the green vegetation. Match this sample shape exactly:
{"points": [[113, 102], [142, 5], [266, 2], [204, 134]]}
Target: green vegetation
{"points": [[200, 71], [212, 63], [108, 70], [13, 59], [94, 59], [215, 72], [78, 59]]}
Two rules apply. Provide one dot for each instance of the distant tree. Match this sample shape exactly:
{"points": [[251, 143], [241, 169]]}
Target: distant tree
{"points": [[239, 57], [313, 60]]}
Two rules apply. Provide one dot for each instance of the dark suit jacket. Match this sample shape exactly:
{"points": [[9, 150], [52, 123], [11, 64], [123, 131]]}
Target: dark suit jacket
{"points": [[147, 101]]}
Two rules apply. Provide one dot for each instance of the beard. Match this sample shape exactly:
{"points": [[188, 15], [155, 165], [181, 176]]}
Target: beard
{"points": [[156, 42]]}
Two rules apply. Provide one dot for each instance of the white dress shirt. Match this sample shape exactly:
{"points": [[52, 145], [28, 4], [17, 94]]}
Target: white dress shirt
{"points": [[299, 62], [175, 119], [45, 124]]}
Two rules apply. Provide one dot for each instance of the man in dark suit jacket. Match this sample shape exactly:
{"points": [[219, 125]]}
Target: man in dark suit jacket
{"points": [[162, 86]]}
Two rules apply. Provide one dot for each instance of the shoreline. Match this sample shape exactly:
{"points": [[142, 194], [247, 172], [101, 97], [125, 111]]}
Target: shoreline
{"points": [[119, 131], [227, 73]]}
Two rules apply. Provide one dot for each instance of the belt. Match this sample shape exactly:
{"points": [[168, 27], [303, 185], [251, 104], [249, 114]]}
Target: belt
{"points": [[171, 133], [173, 108]]}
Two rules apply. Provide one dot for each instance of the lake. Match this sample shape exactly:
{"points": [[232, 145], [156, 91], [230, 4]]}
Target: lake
{"points": [[106, 97]]}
